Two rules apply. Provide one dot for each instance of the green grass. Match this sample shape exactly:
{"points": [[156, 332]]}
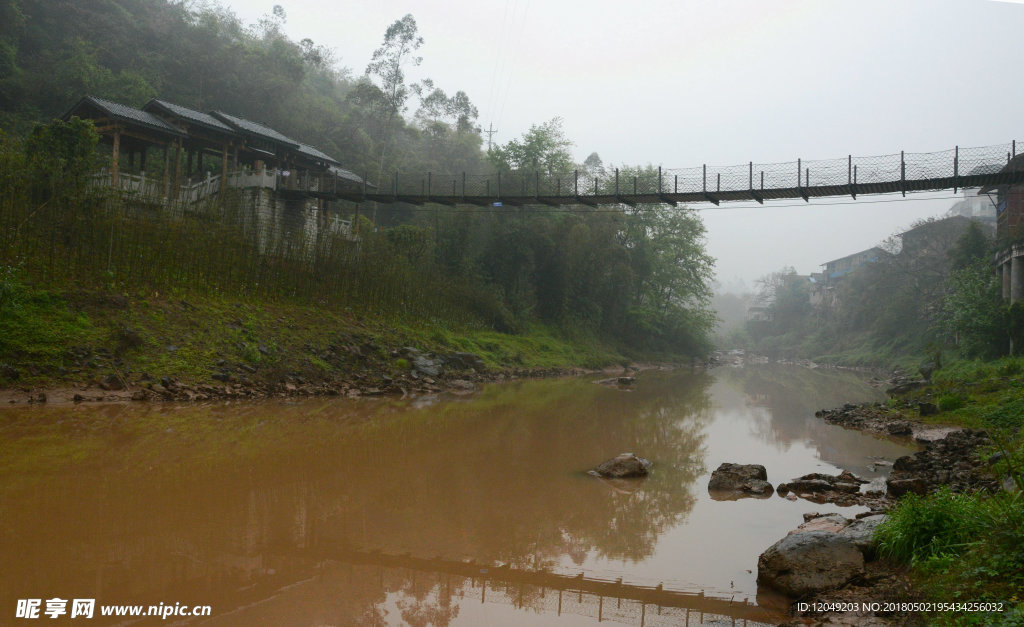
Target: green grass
{"points": [[969, 547], [962, 547], [190, 337]]}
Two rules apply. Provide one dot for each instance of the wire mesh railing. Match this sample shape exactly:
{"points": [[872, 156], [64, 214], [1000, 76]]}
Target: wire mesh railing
{"points": [[956, 167]]}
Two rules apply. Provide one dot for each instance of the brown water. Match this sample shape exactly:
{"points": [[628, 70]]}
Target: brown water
{"points": [[472, 510]]}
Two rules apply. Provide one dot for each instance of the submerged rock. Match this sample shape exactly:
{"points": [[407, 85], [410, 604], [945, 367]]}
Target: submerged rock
{"points": [[842, 489], [735, 481], [809, 562], [623, 466]]}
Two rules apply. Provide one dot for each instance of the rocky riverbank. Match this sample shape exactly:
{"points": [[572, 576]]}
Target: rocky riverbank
{"points": [[839, 594], [419, 374]]}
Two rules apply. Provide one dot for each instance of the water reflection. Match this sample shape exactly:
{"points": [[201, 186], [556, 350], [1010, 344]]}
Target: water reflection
{"points": [[778, 405], [334, 510]]}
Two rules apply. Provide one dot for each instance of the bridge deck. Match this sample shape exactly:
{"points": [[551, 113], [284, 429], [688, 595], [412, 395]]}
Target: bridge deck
{"points": [[712, 196]]}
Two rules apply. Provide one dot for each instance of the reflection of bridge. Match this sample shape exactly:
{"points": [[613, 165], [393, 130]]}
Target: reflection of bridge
{"points": [[850, 176], [657, 600]]}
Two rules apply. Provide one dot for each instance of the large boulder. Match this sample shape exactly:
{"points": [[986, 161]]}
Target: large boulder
{"points": [[827, 522], [809, 562], [862, 533], [734, 481], [623, 466]]}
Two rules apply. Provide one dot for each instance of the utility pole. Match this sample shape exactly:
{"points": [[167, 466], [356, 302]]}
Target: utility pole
{"points": [[490, 131]]}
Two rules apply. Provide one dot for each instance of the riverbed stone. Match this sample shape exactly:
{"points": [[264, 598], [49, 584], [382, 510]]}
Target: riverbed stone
{"points": [[425, 365], [623, 466], [862, 533], [733, 481], [809, 562], [829, 522]]}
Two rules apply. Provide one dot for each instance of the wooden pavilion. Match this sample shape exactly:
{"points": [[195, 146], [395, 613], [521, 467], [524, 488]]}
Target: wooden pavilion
{"points": [[292, 167]]}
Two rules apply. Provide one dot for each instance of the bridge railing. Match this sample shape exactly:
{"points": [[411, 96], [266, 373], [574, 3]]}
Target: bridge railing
{"points": [[879, 169]]}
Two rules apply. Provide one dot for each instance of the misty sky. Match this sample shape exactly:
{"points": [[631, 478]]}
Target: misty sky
{"points": [[681, 83]]}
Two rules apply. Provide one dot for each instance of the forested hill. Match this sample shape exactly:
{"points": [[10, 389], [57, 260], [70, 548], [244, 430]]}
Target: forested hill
{"points": [[201, 55]]}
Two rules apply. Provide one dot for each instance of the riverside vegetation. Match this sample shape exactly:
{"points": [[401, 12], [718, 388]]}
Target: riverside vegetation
{"points": [[95, 284], [969, 546], [176, 294]]}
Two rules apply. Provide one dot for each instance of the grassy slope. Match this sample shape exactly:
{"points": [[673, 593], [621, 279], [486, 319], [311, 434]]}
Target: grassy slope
{"points": [[79, 337]]}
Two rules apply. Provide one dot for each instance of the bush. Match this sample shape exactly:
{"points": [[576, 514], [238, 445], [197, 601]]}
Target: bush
{"points": [[933, 526], [951, 402]]}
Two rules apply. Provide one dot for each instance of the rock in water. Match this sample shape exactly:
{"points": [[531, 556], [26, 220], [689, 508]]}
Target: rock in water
{"points": [[733, 481], [809, 562], [624, 466]]}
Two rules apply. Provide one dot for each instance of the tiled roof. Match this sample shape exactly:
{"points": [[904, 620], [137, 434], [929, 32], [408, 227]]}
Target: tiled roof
{"points": [[345, 174], [255, 128], [311, 151], [198, 117], [128, 114]]}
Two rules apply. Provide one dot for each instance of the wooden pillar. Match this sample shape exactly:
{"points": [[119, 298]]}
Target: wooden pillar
{"points": [[167, 171], [177, 167], [224, 166], [142, 158], [115, 156], [188, 164]]}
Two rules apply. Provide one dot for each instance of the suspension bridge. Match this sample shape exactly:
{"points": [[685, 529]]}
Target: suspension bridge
{"points": [[898, 173]]}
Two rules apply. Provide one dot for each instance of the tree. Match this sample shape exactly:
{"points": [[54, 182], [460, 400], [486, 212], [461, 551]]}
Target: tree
{"points": [[401, 41], [973, 313], [543, 148], [969, 248]]}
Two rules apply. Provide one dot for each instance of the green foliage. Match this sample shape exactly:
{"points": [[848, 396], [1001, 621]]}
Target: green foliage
{"points": [[11, 289], [636, 277], [1005, 415], [543, 148], [951, 402], [60, 155], [973, 311], [932, 286], [971, 248], [929, 527]]}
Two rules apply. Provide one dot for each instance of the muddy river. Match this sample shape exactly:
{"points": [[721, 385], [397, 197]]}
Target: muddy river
{"points": [[466, 510]]}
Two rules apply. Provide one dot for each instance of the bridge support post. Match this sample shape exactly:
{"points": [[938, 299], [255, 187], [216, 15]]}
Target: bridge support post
{"points": [[1016, 279], [903, 174], [1004, 276], [956, 167]]}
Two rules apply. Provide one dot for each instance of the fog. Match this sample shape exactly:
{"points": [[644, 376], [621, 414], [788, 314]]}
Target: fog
{"points": [[684, 83]]}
